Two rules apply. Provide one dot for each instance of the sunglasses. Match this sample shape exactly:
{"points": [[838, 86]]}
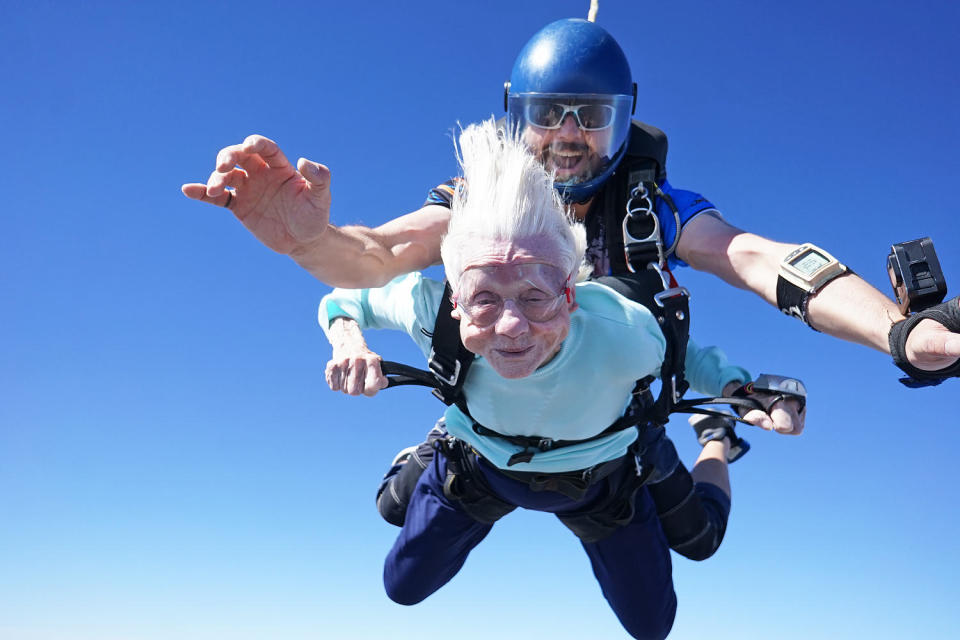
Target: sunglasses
{"points": [[590, 117]]}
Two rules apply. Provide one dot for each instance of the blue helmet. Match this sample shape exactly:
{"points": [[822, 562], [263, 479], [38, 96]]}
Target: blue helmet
{"points": [[571, 96]]}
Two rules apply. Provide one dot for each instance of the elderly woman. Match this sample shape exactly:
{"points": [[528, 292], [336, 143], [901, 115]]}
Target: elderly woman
{"points": [[555, 358]]}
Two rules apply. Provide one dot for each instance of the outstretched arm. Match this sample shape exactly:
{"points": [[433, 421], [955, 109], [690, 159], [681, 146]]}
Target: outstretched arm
{"points": [[287, 208], [847, 307]]}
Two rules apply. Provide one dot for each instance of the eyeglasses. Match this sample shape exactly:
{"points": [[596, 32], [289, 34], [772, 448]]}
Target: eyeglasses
{"points": [[485, 308], [590, 117]]}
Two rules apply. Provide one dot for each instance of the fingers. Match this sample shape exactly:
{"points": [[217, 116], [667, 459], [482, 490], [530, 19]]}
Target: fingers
{"points": [[317, 178], [787, 418], [265, 149], [951, 345], [234, 155], [194, 191], [355, 376], [199, 192], [256, 152], [316, 174], [218, 182], [374, 381], [215, 191], [931, 346], [758, 418]]}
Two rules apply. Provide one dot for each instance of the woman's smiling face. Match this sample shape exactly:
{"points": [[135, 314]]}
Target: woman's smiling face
{"points": [[514, 305]]}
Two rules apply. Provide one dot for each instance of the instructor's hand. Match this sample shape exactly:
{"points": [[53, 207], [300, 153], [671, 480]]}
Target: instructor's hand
{"points": [[931, 346], [286, 208]]}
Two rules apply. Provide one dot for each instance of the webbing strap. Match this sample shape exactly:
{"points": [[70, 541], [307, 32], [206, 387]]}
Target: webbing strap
{"points": [[674, 317], [449, 360], [638, 413], [691, 405]]}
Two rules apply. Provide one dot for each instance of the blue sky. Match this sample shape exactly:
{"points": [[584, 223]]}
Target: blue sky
{"points": [[171, 463]]}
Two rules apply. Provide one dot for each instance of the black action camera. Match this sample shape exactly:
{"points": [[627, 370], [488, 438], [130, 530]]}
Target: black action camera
{"points": [[915, 274]]}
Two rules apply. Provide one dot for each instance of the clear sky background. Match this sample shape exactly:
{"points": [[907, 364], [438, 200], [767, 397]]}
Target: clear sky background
{"points": [[171, 462]]}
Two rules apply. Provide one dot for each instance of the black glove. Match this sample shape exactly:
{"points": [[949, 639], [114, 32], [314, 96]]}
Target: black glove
{"points": [[946, 313], [768, 389], [709, 428]]}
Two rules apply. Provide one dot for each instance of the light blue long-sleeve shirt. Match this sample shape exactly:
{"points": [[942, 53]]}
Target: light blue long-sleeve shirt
{"points": [[581, 391]]}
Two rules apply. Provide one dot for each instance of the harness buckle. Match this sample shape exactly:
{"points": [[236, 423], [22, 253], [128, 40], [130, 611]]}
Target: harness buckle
{"points": [[637, 465], [671, 293], [441, 371], [641, 231], [673, 388], [587, 475], [545, 444], [663, 277]]}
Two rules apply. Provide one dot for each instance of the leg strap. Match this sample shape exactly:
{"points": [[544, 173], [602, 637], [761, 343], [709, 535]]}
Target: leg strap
{"points": [[465, 485]]}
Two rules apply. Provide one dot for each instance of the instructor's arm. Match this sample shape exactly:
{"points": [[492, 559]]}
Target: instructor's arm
{"points": [[847, 307], [287, 208]]}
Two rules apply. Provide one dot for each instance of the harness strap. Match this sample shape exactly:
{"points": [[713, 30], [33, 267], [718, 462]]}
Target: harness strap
{"points": [[674, 318], [640, 411], [466, 485], [534, 444], [449, 360], [635, 415], [691, 405], [399, 375], [676, 218]]}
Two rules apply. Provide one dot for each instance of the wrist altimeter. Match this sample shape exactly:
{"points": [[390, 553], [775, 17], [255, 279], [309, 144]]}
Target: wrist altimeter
{"points": [[803, 272]]}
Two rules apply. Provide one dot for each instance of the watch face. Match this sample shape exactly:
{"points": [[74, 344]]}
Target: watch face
{"points": [[809, 262]]}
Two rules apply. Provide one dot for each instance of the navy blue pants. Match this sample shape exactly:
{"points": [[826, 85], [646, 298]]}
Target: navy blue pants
{"points": [[632, 565]]}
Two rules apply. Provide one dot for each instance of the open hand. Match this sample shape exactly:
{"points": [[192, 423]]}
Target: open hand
{"points": [[286, 208]]}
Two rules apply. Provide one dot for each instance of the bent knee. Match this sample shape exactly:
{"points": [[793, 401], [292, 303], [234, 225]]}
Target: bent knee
{"points": [[403, 593], [653, 628], [650, 631], [701, 546], [698, 555]]}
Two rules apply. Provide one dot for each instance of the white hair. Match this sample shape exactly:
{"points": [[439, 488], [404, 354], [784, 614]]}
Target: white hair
{"points": [[506, 195]]}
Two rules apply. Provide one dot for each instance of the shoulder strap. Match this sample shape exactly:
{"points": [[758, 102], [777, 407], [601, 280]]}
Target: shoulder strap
{"points": [[449, 360], [644, 166], [649, 142], [670, 306]]}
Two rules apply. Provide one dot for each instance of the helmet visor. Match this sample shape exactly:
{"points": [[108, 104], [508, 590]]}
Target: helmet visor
{"points": [[576, 136]]}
